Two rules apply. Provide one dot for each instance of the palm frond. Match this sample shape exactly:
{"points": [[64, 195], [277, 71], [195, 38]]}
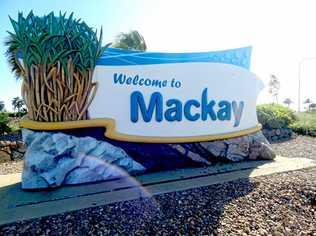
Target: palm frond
{"points": [[132, 40]]}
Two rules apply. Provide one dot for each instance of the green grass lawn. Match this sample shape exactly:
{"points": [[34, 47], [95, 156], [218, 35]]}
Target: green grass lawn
{"points": [[306, 123]]}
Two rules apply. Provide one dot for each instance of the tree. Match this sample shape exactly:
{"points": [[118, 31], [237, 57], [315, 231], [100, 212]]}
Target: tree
{"points": [[132, 40], [288, 102], [308, 102], [274, 87], [312, 107], [2, 105], [17, 103]]}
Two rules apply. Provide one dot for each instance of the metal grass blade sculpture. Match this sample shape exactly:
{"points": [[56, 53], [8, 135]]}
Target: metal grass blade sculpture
{"points": [[55, 57]]}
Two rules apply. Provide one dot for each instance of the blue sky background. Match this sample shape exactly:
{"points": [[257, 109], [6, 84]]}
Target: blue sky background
{"points": [[282, 33], [114, 16]]}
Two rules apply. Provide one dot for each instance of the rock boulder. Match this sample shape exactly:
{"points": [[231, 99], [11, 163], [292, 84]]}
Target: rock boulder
{"points": [[55, 159]]}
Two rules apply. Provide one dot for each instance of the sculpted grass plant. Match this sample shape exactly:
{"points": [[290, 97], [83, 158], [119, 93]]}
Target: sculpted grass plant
{"points": [[55, 57]]}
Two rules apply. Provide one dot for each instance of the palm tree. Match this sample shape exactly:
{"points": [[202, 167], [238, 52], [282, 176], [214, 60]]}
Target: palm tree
{"points": [[288, 102], [308, 101], [132, 40], [312, 107], [17, 103], [2, 105], [274, 87]]}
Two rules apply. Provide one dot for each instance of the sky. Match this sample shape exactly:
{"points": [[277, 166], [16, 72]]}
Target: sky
{"points": [[281, 33]]}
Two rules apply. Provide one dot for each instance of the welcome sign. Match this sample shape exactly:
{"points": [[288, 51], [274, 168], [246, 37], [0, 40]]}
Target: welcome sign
{"points": [[176, 97], [173, 97]]}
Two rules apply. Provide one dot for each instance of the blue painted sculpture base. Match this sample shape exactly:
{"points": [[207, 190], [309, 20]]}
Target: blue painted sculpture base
{"points": [[153, 156], [81, 156]]}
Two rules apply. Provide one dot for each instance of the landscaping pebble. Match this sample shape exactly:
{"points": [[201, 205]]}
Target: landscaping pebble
{"points": [[280, 204], [301, 146], [11, 167]]}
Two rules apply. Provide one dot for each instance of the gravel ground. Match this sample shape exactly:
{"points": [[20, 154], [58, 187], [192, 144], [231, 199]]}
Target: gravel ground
{"points": [[11, 167], [274, 205], [280, 204], [15, 166], [302, 146]]}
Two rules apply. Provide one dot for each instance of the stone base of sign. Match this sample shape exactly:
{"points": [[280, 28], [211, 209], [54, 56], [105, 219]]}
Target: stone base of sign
{"points": [[158, 156], [53, 159], [250, 147]]}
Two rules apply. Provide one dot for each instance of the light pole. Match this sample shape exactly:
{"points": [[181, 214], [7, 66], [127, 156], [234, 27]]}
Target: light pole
{"points": [[299, 80]]}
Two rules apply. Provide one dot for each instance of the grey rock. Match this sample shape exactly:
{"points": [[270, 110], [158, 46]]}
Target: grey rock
{"points": [[250, 147], [192, 155], [261, 151], [259, 137], [55, 159], [281, 134], [275, 138], [266, 152], [237, 151], [216, 148], [238, 148]]}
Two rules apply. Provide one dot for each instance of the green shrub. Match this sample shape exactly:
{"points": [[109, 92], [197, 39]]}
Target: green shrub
{"points": [[273, 116], [306, 124], [4, 121]]}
